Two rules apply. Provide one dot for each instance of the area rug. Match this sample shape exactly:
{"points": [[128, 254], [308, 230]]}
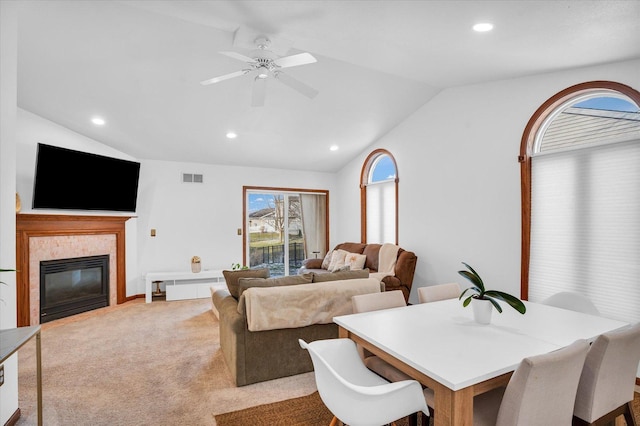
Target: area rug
{"points": [[309, 411], [304, 411]]}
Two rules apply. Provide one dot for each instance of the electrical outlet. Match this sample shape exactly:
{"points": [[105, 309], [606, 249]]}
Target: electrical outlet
{"points": [[1, 374]]}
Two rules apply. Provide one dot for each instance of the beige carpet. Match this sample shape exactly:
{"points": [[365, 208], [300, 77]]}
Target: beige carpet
{"points": [[140, 364]]}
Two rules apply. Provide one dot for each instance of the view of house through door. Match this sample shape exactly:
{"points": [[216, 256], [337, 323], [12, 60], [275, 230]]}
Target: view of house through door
{"points": [[283, 227]]}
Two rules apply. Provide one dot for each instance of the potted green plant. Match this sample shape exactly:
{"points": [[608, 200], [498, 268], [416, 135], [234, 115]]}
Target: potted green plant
{"points": [[238, 267], [484, 300]]}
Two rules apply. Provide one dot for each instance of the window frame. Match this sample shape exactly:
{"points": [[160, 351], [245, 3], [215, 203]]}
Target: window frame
{"points": [[529, 138], [247, 189], [365, 172]]}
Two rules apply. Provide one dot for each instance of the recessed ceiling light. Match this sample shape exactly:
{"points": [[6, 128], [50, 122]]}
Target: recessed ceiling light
{"points": [[483, 27], [334, 147], [98, 121], [231, 135]]}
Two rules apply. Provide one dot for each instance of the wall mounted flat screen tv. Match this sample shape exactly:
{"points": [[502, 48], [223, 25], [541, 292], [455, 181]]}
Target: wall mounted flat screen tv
{"points": [[75, 180]]}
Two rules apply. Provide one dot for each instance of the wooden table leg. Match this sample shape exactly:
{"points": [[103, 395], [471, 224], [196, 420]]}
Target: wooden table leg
{"points": [[453, 408]]}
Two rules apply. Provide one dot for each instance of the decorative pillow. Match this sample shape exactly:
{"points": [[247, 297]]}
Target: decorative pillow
{"points": [[337, 260], [343, 275], [327, 260], [247, 283], [232, 277], [355, 261]]}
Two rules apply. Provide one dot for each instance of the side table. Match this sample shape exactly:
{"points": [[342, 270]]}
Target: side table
{"points": [[13, 339]]}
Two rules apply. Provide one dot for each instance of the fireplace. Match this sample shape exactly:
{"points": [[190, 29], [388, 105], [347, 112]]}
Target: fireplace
{"points": [[72, 286]]}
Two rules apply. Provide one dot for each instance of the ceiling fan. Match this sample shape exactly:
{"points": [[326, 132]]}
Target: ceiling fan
{"points": [[265, 64]]}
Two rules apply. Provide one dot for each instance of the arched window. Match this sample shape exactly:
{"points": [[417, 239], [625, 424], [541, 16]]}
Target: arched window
{"points": [[379, 198], [580, 157]]}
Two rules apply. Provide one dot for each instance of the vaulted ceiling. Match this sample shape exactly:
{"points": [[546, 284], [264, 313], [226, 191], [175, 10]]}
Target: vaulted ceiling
{"points": [[138, 64]]}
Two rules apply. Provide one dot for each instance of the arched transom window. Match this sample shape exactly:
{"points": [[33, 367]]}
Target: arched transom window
{"points": [[379, 198], [581, 198]]}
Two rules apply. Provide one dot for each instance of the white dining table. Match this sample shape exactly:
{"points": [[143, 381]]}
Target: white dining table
{"points": [[440, 345]]}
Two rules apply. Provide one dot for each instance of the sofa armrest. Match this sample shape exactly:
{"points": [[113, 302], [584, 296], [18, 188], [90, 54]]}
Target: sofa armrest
{"points": [[312, 263], [227, 307], [406, 267]]}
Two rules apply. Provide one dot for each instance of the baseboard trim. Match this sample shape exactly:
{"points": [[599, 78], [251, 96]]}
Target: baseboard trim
{"points": [[134, 297], [13, 419]]}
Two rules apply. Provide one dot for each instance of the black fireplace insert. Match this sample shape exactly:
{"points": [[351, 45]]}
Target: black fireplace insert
{"points": [[72, 286]]}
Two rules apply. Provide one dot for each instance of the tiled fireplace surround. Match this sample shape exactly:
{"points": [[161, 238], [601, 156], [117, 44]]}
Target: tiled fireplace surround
{"points": [[50, 237]]}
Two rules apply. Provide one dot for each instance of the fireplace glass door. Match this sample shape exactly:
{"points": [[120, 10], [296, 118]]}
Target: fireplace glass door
{"points": [[72, 286]]}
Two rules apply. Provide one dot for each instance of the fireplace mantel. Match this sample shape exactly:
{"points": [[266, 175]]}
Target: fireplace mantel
{"points": [[45, 225]]}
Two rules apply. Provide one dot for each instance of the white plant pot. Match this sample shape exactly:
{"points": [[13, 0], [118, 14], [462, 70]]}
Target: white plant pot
{"points": [[482, 310]]}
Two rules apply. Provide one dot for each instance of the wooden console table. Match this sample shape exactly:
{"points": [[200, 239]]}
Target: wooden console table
{"points": [[13, 339]]}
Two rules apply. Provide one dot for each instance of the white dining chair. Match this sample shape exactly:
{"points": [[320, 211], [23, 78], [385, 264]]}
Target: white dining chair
{"points": [[353, 393], [572, 301], [433, 293], [607, 384]]}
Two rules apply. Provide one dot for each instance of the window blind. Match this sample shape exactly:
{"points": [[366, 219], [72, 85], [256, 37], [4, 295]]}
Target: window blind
{"points": [[585, 227], [381, 212]]}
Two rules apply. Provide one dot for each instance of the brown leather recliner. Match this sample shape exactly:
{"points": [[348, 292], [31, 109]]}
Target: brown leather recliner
{"points": [[404, 269]]}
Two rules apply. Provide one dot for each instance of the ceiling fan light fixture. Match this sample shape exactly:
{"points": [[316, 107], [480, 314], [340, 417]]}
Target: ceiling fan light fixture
{"points": [[262, 72]]}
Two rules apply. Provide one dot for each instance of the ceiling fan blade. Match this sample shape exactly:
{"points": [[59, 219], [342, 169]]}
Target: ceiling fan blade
{"points": [[238, 56], [308, 91], [224, 77], [259, 92], [295, 60]]}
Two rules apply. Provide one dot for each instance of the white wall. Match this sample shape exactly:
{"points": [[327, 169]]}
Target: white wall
{"points": [[459, 176], [8, 101], [202, 219]]}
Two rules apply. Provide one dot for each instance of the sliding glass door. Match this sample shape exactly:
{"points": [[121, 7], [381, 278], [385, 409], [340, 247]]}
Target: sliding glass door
{"points": [[283, 227]]}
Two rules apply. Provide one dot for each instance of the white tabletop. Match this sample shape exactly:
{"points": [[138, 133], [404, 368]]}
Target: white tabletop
{"points": [[442, 340]]}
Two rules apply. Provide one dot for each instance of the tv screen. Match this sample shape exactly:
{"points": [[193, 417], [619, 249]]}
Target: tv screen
{"points": [[74, 180]]}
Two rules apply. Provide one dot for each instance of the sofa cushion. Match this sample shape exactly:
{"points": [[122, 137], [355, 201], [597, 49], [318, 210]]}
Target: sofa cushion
{"points": [[355, 261], [337, 260], [232, 277], [327, 260], [352, 247], [342, 275], [372, 251], [246, 283]]}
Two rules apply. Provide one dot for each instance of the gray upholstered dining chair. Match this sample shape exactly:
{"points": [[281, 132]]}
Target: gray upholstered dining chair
{"points": [[572, 301], [355, 394], [607, 384], [374, 302], [437, 292], [541, 391]]}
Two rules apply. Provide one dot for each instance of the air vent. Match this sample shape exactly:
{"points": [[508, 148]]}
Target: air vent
{"points": [[192, 178]]}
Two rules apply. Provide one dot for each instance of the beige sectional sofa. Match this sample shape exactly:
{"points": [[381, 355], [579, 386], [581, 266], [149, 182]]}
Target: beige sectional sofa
{"points": [[306, 303]]}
